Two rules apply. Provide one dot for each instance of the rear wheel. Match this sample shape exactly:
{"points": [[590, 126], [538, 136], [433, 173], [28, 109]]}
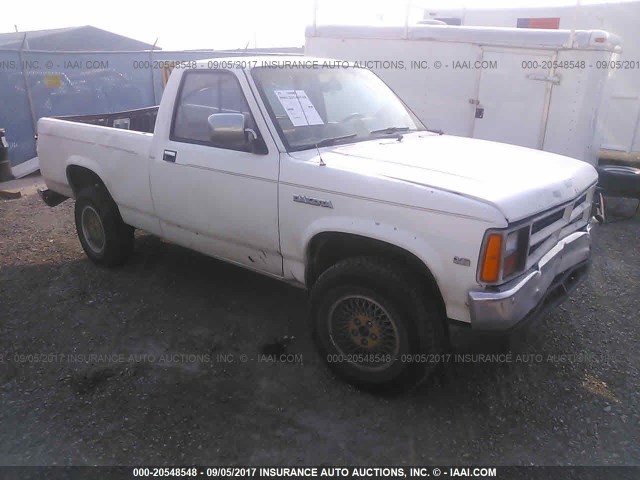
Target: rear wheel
{"points": [[373, 325], [105, 238]]}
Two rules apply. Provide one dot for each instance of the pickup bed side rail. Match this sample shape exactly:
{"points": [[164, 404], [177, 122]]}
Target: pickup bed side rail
{"points": [[139, 120]]}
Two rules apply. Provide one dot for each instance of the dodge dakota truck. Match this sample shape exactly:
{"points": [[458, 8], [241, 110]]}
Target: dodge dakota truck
{"points": [[319, 175]]}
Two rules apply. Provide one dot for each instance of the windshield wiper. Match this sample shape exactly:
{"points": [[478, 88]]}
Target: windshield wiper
{"points": [[390, 130], [328, 141]]}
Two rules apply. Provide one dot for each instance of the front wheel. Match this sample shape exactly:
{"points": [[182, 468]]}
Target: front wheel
{"points": [[373, 325], [104, 237]]}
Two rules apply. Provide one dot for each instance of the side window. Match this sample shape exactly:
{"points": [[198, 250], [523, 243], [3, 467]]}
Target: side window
{"points": [[203, 94]]}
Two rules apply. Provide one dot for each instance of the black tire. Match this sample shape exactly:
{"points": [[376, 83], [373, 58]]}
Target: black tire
{"points": [[619, 180], [407, 326], [104, 237]]}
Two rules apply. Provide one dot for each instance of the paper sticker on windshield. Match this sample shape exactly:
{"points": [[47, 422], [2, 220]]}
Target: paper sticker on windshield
{"points": [[292, 107], [313, 117], [298, 107]]}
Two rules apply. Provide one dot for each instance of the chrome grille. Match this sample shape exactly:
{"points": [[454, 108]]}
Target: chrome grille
{"points": [[550, 227], [546, 222]]}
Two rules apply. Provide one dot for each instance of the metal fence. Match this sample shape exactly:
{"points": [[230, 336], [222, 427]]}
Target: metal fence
{"points": [[35, 84]]}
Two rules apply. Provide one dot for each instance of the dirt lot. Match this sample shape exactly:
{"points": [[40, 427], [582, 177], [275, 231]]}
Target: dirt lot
{"points": [[164, 394]]}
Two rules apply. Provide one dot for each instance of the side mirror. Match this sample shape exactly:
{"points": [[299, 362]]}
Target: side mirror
{"points": [[227, 129]]}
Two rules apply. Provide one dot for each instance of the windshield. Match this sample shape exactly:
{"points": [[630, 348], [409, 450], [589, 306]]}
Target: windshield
{"points": [[326, 106]]}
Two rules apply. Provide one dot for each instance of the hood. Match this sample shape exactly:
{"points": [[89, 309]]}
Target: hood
{"points": [[518, 181]]}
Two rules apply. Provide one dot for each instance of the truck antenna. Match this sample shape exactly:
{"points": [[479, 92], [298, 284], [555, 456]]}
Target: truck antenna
{"points": [[322, 164]]}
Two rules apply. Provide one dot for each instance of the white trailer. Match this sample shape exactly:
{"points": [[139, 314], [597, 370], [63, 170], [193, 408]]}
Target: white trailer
{"points": [[620, 117], [535, 88]]}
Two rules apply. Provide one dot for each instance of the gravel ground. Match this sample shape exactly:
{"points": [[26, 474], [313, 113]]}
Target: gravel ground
{"points": [[166, 390]]}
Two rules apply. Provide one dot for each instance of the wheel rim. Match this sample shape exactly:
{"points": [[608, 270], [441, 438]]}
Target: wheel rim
{"points": [[92, 229], [364, 332]]}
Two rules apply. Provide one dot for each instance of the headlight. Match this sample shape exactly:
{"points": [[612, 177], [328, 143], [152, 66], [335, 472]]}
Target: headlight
{"points": [[504, 254]]}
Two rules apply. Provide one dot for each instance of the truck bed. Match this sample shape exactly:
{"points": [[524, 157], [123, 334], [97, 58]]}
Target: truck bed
{"points": [[101, 144], [139, 120]]}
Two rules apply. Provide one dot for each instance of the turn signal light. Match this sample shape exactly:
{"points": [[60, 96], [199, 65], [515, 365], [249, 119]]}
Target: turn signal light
{"points": [[491, 261]]}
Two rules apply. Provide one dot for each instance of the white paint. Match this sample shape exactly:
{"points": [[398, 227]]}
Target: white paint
{"points": [[619, 120], [434, 196], [525, 99]]}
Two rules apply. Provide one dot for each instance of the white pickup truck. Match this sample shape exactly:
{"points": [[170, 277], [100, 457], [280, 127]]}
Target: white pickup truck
{"points": [[320, 176]]}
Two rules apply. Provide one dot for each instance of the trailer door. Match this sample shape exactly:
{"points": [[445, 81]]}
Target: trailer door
{"points": [[513, 97]]}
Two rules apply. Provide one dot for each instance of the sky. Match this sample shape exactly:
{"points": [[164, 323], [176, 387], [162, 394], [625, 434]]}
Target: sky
{"points": [[218, 24]]}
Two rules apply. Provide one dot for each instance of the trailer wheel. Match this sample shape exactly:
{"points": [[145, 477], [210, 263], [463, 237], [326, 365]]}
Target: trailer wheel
{"points": [[373, 327], [104, 237]]}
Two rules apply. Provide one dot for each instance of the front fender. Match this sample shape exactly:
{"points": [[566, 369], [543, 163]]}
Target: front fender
{"points": [[377, 230]]}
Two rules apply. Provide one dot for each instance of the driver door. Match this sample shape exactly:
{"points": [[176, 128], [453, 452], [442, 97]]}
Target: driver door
{"points": [[219, 199]]}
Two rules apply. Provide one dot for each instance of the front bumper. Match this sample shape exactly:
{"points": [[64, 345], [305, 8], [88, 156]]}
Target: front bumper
{"points": [[518, 301]]}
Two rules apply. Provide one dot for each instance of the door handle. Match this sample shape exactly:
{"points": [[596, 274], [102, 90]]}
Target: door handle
{"points": [[480, 112], [169, 156]]}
